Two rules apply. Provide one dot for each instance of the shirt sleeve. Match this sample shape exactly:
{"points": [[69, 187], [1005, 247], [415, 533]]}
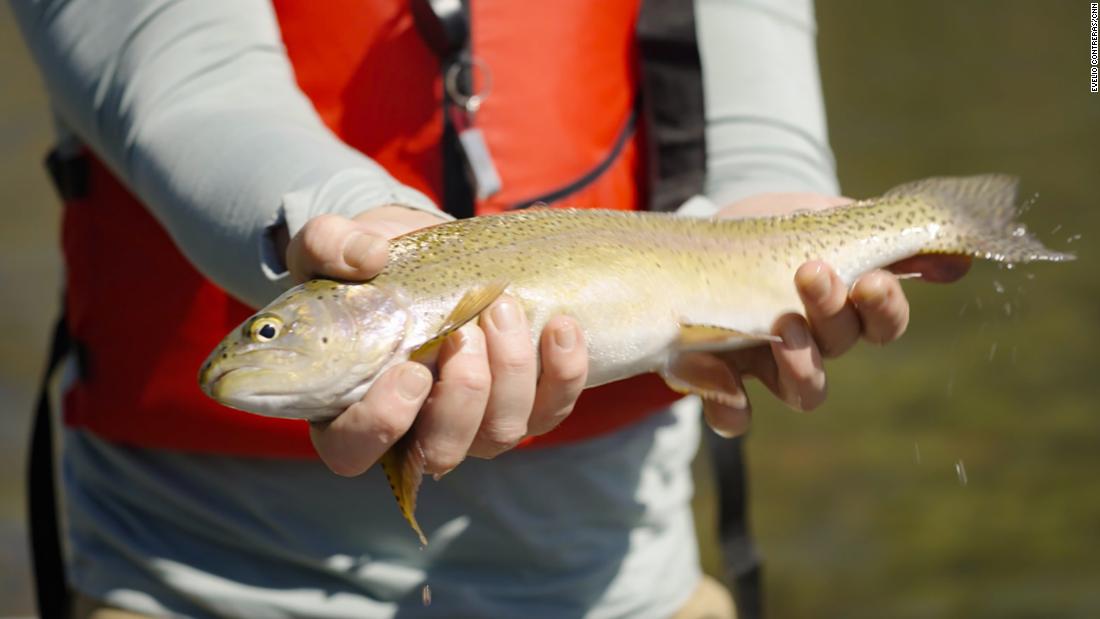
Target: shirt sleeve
{"points": [[765, 115], [195, 107]]}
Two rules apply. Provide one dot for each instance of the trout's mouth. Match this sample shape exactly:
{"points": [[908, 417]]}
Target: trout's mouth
{"points": [[260, 390], [211, 373], [209, 379]]}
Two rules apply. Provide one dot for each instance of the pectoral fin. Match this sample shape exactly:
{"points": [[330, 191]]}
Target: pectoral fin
{"points": [[403, 465], [404, 462], [710, 338], [704, 375], [468, 307]]}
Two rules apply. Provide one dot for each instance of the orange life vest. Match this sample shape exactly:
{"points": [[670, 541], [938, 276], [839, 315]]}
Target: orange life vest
{"points": [[564, 83]]}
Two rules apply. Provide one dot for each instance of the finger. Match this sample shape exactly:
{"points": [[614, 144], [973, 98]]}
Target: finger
{"points": [[730, 415], [564, 371], [353, 441], [757, 362], [727, 421], [935, 268], [882, 306], [833, 321], [453, 413], [798, 361], [514, 369], [334, 246], [776, 370]]}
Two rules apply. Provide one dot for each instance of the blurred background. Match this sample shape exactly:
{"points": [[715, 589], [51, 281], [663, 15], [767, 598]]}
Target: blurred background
{"points": [[953, 474]]}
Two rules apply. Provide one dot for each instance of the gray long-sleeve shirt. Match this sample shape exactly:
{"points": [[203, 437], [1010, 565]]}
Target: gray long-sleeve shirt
{"points": [[194, 105]]}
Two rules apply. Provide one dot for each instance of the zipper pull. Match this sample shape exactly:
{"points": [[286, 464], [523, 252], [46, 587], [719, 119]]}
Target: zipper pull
{"points": [[482, 171]]}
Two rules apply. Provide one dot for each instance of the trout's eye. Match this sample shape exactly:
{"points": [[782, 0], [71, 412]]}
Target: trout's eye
{"points": [[265, 329]]}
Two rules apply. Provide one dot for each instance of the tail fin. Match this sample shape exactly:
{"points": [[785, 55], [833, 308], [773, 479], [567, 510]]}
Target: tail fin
{"points": [[403, 464], [982, 212]]}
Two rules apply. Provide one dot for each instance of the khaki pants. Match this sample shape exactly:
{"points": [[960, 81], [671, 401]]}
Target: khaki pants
{"points": [[710, 601], [85, 607]]}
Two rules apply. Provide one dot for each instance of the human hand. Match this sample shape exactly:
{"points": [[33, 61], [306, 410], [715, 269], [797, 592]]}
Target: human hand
{"points": [[874, 308], [489, 393]]}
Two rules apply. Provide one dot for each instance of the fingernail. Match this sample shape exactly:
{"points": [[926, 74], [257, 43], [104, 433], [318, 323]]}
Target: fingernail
{"points": [[819, 285], [565, 337], [723, 433], [505, 315], [413, 381], [439, 476], [359, 247], [740, 401], [794, 336], [876, 296]]}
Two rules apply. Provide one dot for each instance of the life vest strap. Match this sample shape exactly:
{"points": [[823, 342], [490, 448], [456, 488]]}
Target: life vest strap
{"points": [[589, 177], [69, 175], [445, 28], [674, 114]]}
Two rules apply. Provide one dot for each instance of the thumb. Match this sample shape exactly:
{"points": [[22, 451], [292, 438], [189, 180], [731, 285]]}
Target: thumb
{"points": [[336, 247]]}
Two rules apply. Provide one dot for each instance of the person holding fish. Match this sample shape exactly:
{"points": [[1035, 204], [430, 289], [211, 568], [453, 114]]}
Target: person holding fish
{"points": [[215, 154]]}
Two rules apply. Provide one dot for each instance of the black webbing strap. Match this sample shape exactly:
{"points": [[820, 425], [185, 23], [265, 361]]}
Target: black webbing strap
{"points": [[741, 563], [51, 584], [69, 174], [673, 106], [445, 27]]}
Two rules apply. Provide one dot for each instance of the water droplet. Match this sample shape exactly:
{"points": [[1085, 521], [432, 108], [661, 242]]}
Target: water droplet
{"points": [[1010, 265], [1019, 231], [960, 472], [1028, 203], [978, 302], [1074, 238], [993, 352], [998, 287], [1055, 229], [1008, 308], [916, 452], [426, 595], [963, 309], [1030, 276]]}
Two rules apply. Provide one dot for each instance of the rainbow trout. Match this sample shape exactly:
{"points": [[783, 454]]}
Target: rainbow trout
{"points": [[645, 287]]}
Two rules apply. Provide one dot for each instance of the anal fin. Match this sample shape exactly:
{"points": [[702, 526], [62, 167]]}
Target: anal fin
{"points": [[403, 464], [696, 337]]}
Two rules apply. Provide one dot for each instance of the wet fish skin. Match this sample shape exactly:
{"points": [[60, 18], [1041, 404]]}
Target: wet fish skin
{"points": [[644, 287]]}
